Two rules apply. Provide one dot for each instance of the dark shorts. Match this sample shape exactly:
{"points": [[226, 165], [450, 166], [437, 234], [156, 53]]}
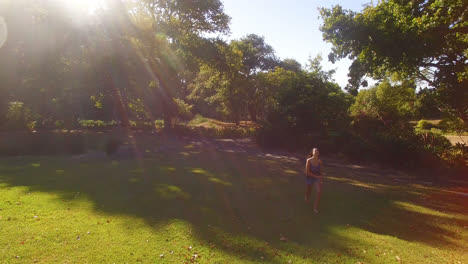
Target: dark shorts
{"points": [[311, 180]]}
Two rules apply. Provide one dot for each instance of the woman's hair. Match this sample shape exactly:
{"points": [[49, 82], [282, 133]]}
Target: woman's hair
{"points": [[311, 154]]}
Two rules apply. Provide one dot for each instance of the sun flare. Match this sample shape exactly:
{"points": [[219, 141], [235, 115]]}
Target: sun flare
{"points": [[88, 6]]}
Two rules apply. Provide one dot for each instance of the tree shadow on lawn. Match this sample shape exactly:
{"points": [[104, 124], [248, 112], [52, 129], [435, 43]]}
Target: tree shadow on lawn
{"points": [[226, 195]]}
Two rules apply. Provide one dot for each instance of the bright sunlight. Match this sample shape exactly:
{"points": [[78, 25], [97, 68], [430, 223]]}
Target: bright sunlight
{"points": [[88, 5]]}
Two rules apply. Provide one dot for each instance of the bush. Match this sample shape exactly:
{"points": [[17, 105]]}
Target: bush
{"points": [[159, 124], [59, 124], [452, 124], [99, 124], [424, 124], [184, 110], [198, 119], [141, 125], [20, 117], [217, 132]]}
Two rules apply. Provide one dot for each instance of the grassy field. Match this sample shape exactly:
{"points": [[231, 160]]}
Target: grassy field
{"points": [[191, 203]]}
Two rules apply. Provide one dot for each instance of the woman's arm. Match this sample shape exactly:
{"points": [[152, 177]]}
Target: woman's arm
{"points": [[307, 173]]}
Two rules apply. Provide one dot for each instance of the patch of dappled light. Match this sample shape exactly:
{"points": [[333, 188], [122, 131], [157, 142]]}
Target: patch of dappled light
{"points": [[278, 157], [424, 210], [416, 193], [457, 193], [199, 171], [364, 243], [290, 172], [358, 183], [184, 153], [171, 169], [59, 171], [218, 180], [134, 180], [35, 165], [189, 146], [170, 192]]}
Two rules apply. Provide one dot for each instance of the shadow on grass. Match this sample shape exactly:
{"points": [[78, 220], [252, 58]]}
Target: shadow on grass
{"points": [[226, 195]]}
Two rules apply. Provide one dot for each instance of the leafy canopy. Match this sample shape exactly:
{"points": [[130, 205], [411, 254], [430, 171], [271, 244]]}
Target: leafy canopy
{"points": [[423, 39]]}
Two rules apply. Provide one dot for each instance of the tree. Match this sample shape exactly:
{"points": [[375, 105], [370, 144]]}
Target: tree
{"points": [[221, 85], [423, 39], [168, 35], [303, 105], [257, 56], [390, 104], [291, 65], [234, 81]]}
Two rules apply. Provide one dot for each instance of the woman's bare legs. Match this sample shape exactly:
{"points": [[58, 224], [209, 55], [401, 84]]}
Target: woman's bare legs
{"points": [[318, 191], [308, 191]]}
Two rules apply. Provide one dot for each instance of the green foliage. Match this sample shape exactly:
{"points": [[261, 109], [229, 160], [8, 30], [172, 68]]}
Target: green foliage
{"points": [[435, 143], [454, 125], [59, 124], [198, 119], [424, 124], [159, 124], [184, 110], [141, 125], [387, 103], [20, 117], [234, 84], [89, 124], [423, 40], [304, 104], [138, 109], [216, 131]]}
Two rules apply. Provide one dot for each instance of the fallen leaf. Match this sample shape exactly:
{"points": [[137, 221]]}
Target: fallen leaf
{"points": [[398, 258], [161, 256]]}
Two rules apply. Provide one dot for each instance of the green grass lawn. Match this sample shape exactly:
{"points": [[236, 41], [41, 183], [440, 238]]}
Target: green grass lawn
{"points": [[191, 204]]}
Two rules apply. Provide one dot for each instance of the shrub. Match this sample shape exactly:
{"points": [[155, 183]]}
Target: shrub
{"points": [[159, 124], [141, 125], [424, 124], [198, 119], [20, 117], [452, 124], [59, 124], [184, 110], [90, 124], [434, 143]]}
